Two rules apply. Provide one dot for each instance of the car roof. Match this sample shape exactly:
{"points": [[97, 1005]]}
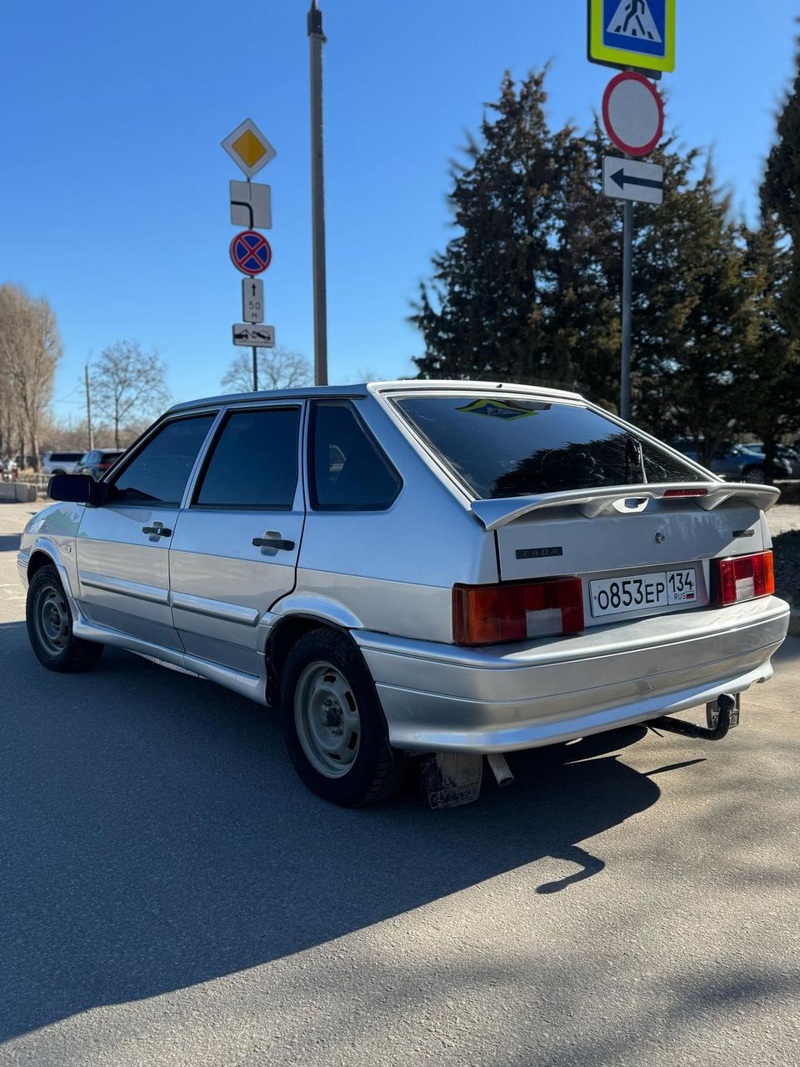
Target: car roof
{"points": [[362, 389]]}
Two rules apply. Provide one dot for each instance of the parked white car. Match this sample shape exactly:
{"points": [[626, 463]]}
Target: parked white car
{"points": [[60, 462], [415, 571]]}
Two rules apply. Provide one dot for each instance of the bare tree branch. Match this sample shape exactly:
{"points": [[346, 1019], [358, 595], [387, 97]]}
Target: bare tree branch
{"points": [[128, 385], [277, 369]]}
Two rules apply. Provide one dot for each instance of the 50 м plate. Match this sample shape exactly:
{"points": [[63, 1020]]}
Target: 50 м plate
{"points": [[614, 596]]}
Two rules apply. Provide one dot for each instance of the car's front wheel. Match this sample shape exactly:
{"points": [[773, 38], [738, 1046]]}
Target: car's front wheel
{"points": [[333, 724], [50, 626]]}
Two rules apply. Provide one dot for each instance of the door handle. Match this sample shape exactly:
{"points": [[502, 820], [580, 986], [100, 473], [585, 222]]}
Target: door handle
{"points": [[158, 529], [273, 541]]}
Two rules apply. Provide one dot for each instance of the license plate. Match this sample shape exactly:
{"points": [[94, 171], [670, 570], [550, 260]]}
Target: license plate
{"points": [[613, 596]]}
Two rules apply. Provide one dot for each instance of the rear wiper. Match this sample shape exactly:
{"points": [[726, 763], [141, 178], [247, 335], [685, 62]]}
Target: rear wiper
{"points": [[634, 458]]}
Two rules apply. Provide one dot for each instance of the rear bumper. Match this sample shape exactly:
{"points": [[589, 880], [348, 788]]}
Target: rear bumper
{"points": [[448, 699]]}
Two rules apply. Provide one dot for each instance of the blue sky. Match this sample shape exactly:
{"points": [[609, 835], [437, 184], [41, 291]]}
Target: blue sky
{"points": [[114, 184]]}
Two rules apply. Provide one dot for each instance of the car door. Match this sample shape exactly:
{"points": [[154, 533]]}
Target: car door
{"points": [[123, 546], [235, 549]]}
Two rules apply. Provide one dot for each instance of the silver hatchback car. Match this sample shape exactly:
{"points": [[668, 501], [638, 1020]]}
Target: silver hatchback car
{"points": [[415, 572]]}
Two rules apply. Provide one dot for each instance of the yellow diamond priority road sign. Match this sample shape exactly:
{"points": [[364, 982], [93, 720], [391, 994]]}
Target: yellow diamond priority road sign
{"points": [[249, 148]]}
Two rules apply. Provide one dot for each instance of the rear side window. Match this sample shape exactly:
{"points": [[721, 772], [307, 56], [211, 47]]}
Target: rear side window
{"points": [[254, 462], [506, 447], [160, 471], [348, 470]]}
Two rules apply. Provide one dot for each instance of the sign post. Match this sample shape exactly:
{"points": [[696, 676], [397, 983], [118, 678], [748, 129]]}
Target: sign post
{"points": [[250, 251], [632, 34]]}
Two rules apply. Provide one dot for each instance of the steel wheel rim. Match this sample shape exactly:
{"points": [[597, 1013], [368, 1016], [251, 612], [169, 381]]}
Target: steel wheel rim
{"points": [[53, 620], [327, 719]]}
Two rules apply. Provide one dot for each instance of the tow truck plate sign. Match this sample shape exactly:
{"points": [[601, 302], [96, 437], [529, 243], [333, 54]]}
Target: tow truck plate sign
{"points": [[616, 596]]}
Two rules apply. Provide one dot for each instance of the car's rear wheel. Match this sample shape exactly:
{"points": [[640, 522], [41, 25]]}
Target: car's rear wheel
{"points": [[333, 724], [49, 623]]}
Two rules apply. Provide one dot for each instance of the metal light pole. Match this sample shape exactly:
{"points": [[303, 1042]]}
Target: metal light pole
{"points": [[88, 405], [316, 40]]}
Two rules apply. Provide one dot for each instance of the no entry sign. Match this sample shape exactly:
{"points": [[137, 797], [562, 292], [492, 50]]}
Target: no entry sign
{"points": [[250, 252], [633, 113]]}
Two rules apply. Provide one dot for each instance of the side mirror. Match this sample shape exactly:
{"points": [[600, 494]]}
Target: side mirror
{"points": [[77, 489]]}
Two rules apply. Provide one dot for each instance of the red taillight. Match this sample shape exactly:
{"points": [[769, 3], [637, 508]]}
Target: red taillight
{"points": [[487, 614], [744, 578], [685, 492]]}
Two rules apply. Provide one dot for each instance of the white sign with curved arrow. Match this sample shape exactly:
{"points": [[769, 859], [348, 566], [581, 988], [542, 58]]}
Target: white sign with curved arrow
{"points": [[628, 180]]}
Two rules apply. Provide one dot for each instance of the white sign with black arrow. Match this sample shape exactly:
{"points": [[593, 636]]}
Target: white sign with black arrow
{"points": [[252, 300], [628, 180], [251, 205], [246, 333]]}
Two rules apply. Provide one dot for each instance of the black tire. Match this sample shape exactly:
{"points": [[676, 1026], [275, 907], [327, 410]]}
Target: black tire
{"points": [[49, 623], [754, 475], [333, 724]]}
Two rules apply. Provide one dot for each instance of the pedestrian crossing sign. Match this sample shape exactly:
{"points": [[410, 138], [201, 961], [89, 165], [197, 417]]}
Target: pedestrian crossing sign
{"points": [[632, 33]]}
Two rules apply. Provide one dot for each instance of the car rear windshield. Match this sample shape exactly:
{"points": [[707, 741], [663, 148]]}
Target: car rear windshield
{"points": [[505, 447]]}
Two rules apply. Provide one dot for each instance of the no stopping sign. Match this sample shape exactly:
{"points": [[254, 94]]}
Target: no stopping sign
{"points": [[250, 252], [633, 113]]}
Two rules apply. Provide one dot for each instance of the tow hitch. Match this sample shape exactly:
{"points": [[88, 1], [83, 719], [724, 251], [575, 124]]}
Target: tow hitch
{"points": [[450, 779], [722, 715]]}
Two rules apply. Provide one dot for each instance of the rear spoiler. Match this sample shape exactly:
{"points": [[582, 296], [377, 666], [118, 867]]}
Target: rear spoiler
{"points": [[623, 499]]}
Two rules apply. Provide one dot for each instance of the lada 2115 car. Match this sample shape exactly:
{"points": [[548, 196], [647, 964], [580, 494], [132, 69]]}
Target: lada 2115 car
{"points": [[427, 572]]}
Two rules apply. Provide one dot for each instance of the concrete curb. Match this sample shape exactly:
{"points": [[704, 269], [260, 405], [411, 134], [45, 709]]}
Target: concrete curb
{"points": [[21, 492]]}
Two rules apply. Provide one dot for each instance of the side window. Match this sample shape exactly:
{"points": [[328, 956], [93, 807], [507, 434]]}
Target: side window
{"points": [[160, 471], [254, 462], [347, 469]]}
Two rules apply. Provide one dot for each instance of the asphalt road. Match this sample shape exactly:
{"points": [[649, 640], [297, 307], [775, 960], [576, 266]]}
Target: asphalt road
{"points": [[171, 895]]}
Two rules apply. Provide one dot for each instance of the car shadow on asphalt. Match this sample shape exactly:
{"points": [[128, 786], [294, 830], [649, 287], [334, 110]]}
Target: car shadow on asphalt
{"points": [[156, 837], [9, 542]]}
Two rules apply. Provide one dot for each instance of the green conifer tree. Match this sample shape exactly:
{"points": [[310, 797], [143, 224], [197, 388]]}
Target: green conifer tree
{"points": [[517, 294], [693, 322], [780, 195], [768, 389]]}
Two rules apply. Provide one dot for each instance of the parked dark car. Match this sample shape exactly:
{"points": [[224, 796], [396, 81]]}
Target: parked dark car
{"points": [[789, 455], [737, 463], [98, 461]]}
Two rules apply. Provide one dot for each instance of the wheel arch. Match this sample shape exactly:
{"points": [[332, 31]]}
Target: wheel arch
{"points": [[44, 555], [283, 636]]}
